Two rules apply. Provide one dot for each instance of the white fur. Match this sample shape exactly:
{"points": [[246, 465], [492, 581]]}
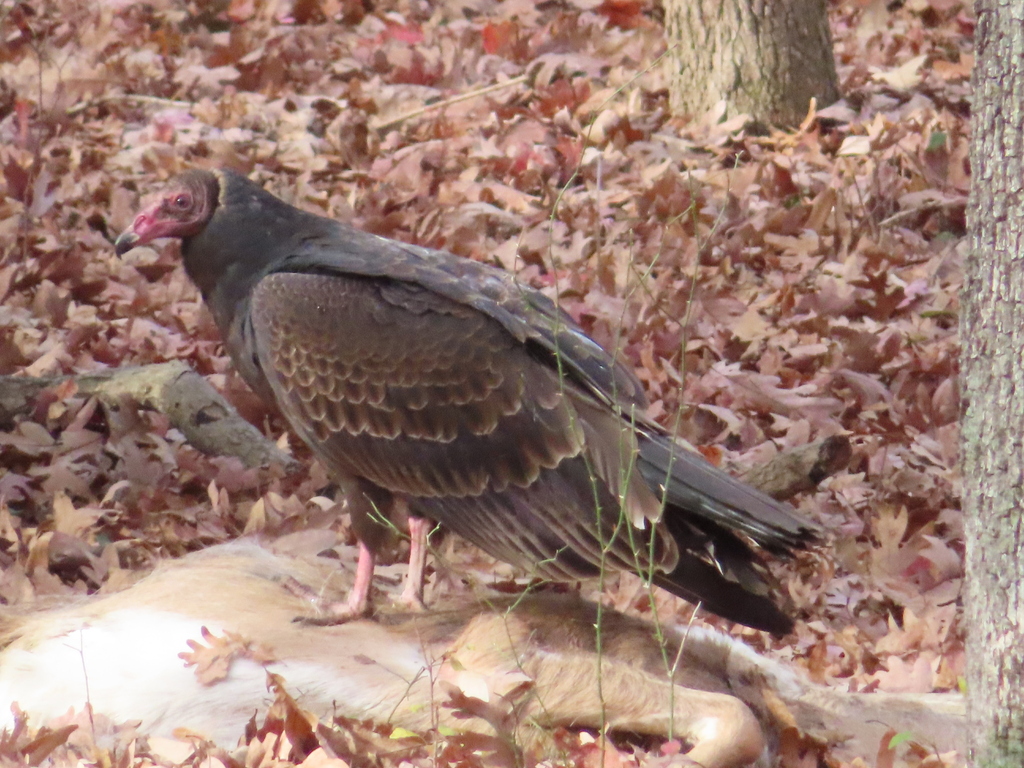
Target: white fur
{"points": [[126, 664]]}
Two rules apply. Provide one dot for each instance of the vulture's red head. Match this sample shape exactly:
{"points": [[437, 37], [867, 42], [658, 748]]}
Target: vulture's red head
{"points": [[182, 210]]}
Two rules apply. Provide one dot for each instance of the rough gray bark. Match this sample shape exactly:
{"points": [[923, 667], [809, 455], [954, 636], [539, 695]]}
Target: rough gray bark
{"points": [[767, 59], [993, 374]]}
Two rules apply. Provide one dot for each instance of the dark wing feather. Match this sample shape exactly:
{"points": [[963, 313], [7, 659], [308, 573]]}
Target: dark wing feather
{"points": [[415, 393], [691, 484], [436, 401], [685, 480], [550, 528], [529, 316], [700, 582]]}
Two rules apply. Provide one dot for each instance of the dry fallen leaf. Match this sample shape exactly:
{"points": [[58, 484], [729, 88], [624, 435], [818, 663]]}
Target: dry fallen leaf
{"points": [[213, 656]]}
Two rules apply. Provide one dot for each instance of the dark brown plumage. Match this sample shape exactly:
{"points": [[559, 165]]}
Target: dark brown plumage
{"points": [[429, 380]]}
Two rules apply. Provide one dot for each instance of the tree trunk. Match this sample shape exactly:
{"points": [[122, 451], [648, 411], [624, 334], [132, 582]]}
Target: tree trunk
{"points": [[993, 378], [767, 58]]}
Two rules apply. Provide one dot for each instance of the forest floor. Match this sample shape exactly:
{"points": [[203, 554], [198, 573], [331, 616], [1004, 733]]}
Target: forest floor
{"points": [[769, 289]]}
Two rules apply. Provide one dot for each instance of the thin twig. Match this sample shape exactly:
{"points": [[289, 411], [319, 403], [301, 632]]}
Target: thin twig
{"points": [[453, 100], [136, 97], [909, 213]]}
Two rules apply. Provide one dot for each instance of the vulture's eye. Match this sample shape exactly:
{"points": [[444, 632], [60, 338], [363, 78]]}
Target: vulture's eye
{"points": [[183, 202]]}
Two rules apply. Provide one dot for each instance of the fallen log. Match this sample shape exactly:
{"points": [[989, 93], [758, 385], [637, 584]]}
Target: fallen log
{"points": [[209, 423]]}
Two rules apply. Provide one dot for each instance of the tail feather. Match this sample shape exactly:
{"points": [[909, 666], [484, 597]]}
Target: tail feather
{"points": [[698, 488], [698, 581], [712, 517]]}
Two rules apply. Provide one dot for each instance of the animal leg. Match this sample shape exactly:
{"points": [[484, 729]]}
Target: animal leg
{"points": [[358, 603], [371, 510], [412, 594], [721, 729]]}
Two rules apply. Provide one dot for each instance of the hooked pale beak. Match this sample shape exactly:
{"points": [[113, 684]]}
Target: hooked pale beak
{"points": [[146, 227], [125, 242]]}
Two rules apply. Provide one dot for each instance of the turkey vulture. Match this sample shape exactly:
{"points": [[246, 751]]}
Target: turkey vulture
{"points": [[435, 382]]}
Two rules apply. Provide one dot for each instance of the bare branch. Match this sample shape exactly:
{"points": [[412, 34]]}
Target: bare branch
{"points": [[800, 469], [194, 407]]}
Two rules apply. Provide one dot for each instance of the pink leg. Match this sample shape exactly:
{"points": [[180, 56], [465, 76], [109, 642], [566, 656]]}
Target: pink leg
{"points": [[358, 603], [412, 595], [359, 597]]}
